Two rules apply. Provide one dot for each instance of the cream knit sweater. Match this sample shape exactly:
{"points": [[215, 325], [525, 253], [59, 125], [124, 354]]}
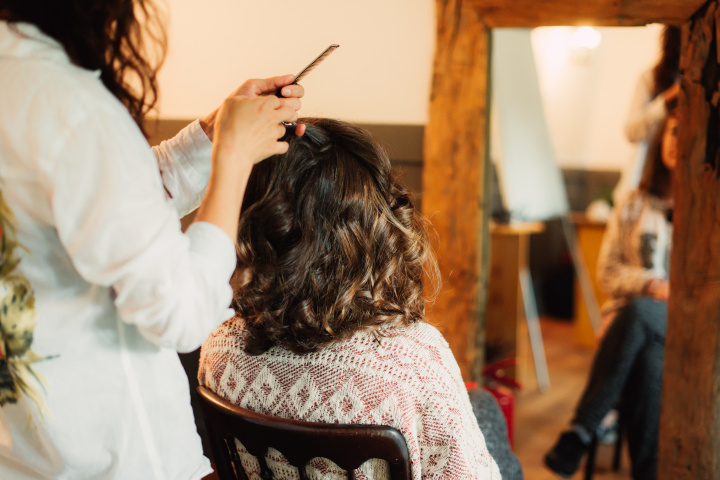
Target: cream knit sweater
{"points": [[404, 377]]}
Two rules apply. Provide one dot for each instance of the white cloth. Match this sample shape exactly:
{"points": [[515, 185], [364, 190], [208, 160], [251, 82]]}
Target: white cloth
{"points": [[118, 286], [645, 117], [404, 377]]}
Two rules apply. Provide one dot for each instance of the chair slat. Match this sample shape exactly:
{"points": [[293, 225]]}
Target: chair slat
{"points": [[265, 472], [302, 470], [235, 458], [348, 446]]}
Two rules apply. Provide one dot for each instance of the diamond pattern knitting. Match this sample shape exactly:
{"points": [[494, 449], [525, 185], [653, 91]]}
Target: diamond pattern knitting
{"points": [[404, 377]]}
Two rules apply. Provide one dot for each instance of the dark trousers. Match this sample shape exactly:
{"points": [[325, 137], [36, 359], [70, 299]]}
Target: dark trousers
{"points": [[627, 370]]}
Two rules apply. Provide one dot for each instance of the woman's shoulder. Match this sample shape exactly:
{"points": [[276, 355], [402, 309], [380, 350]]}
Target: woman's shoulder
{"points": [[50, 93], [412, 351], [64, 93], [420, 333], [632, 197], [227, 336], [419, 349], [631, 205], [413, 347], [638, 203], [419, 340]]}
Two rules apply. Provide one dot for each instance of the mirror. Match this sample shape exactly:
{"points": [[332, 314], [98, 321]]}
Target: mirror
{"points": [[560, 100]]}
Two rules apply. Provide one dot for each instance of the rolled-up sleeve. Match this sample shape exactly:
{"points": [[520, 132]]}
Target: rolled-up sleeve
{"points": [[184, 162], [120, 232]]}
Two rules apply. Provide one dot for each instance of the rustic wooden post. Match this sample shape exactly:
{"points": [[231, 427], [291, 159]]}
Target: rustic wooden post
{"points": [[455, 174], [455, 187], [690, 419]]}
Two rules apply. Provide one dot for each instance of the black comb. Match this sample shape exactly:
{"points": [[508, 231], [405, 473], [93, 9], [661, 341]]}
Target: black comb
{"points": [[304, 72], [315, 63]]}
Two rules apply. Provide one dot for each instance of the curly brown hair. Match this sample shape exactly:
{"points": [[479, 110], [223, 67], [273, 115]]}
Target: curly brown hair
{"points": [[667, 68], [123, 39], [656, 178], [329, 243]]}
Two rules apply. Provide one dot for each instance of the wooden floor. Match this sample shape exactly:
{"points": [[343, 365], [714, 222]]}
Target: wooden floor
{"points": [[541, 416]]}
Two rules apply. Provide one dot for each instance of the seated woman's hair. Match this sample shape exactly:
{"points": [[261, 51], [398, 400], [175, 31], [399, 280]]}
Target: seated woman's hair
{"points": [[329, 243], [656, 178]]}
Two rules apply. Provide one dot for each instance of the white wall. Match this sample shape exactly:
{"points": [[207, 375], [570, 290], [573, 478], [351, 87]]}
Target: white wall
{"points": [[382, 71], [586, 98], [530, 180], [380, 74]]}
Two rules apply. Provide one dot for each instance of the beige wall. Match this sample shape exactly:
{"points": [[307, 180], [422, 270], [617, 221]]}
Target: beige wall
{"points": [[587, 94], [381, 74]]}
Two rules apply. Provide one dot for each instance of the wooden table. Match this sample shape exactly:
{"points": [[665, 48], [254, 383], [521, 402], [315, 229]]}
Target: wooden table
{"points": [[511, 318], [589, 235]]}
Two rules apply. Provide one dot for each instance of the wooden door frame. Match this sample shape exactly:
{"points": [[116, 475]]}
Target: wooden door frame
{"points": [[457, 201]]}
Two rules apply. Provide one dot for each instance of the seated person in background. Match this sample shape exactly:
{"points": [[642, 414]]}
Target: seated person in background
{"points": [[633, 267], [330, 322]]}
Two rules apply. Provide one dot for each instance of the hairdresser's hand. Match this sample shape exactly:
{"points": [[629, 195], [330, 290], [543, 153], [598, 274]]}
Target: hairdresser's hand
{"points": [[291, 95], [658, 289], [247, 130]]}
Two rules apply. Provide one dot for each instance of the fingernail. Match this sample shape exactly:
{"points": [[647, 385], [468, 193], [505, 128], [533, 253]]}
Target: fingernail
{"points": [[286, 92]]}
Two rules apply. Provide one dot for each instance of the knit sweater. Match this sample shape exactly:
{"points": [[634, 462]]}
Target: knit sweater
{"points": [[635, 248], [403, 377]]}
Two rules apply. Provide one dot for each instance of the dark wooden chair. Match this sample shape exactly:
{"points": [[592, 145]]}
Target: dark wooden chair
{"points": [[348, 446]]}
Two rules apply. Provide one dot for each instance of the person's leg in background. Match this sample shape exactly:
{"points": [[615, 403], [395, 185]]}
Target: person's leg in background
{"points": [[640, 405], [641, 321]]}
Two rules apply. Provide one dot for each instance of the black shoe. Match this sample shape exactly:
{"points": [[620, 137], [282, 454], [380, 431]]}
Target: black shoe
{"points": [[564, 458]]}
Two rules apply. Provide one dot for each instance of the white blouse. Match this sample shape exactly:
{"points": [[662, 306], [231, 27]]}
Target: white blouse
{"points": [[118, 287]]}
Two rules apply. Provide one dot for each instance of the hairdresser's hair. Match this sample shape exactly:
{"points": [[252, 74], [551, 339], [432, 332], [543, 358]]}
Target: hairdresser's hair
{"points": [[123, 39], [329, 243], [656, 178], [666, 70]]}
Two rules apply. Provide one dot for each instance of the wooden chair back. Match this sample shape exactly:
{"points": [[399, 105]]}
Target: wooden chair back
{"points": [[348, 446]]}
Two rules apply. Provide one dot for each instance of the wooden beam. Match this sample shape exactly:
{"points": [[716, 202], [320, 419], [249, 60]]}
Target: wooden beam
{"points": [[690, 420], [455, 180], [533, 13]]}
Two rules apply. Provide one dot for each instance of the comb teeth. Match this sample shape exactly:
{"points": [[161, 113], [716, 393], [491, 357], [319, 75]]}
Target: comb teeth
{"points": [[315, 62]]}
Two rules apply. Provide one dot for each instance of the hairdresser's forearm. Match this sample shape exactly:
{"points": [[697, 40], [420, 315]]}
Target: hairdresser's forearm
{"points": [[222, 202]]}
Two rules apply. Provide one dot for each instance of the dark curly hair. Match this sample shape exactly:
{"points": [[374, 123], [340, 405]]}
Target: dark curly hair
{"points": [[667, 68], [656, 178], [124, 39], [329, 243]]}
